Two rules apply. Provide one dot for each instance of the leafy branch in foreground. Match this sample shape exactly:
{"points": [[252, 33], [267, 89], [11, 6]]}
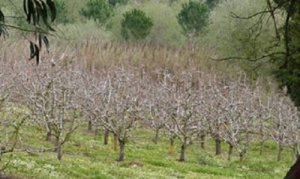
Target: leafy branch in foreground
{"points": [[39, 14]]}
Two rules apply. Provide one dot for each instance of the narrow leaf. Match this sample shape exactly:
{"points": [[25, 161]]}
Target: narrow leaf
{"points": [[46, 42], [37, 54], [52, 8], [40, 40], [25, 7], [31, 10], [1, 16], [32, 50]]}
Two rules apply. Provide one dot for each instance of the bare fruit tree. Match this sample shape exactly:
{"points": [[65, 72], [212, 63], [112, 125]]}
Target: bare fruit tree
{"points": [[11, 120], [90, 99], [239, 106], [50, 93], [182, 107], [155, 105], [213, 110], [284, 128], [123, 94]]}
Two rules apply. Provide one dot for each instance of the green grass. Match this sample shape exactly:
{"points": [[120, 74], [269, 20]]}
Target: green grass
{"points": [[86, 157]]}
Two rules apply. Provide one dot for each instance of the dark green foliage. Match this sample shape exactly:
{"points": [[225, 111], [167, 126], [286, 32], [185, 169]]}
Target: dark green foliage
{"points": [[115, 2], [98, 10], [288, 72], [135, 25], [38, 11], [193, 17], [3, 30]]}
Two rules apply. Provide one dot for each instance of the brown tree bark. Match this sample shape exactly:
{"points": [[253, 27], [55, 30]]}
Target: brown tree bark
{"points": [[90, 126], [230, 151], [115, 143], [280, 149], [121, 150], [262, 138], [218, 145], [48, 135], [182, 156], [49, 132], [156, 137], [172, 143], [106, 136], [241, 157], [58, 148], [202, 142], [262, 143]]}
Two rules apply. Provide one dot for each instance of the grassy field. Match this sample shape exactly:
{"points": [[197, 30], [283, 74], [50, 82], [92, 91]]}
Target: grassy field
{"points": [[85, 156]]}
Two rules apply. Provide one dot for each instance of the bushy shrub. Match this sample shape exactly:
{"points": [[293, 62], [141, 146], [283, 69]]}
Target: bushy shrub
{"points": [[135, 25], [193, 17], [98, 10]]}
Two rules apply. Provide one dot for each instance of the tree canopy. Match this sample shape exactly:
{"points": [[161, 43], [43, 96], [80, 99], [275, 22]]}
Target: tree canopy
{"points": [[289, 63], [193, 17], [284, 51]]}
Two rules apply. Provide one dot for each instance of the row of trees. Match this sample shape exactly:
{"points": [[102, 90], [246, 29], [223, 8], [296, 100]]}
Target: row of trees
{"points": [[135, 24], [189, 106]]}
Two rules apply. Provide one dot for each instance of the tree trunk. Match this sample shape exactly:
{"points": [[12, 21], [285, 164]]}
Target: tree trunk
{"points": [[96, 131], [90, 126], [155, 138], [262, 142], [296, 151], [115, 143], [106, 136], [58, 148], [280, 149], [182, 157], [49, 131], [122, 150], [48, 135], [230, 150], [172, 143], [218, 146], [202, 142], [242, 155], [261, 147]]}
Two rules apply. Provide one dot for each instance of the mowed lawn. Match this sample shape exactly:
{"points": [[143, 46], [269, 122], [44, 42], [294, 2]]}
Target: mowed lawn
{"points": [[85, 156]]}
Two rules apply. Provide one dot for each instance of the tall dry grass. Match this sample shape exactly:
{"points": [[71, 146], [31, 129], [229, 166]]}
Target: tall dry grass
{"points": [[97, 54]]}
